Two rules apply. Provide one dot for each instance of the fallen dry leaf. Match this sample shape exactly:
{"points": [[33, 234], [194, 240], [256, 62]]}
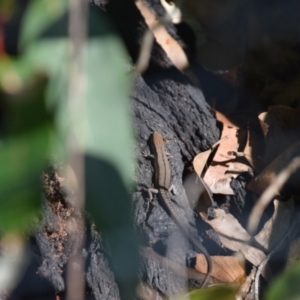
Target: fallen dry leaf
{"points": [[234, 237], [221, 159], [198, 194], [275, 229], [224, 268], [226, 163], [200, 161], [264, 126], [236, 168], [222, 185], [246, 287]]}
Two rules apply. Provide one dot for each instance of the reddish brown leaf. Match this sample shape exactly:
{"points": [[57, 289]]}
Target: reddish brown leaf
{"points": [[225, 268], [234, 237], [221, 159]]}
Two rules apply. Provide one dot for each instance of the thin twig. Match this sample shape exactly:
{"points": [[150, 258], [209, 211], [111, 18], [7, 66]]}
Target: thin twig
{"points": [[270, 193]]}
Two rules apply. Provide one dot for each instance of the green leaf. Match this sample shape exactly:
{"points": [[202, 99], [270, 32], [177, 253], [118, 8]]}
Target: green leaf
{"points": [[25, 141], [104, 128], [212, 293], [15, 74], [286, 286], [25, 111], [7, 8], [22, 160], [39, 16], [107, 130]]}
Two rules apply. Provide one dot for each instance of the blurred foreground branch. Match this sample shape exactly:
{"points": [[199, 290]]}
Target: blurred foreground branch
{"points": [[76, 105]]}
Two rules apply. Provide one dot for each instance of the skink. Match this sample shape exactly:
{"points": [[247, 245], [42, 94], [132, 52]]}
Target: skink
{"points": [[162, 183]]}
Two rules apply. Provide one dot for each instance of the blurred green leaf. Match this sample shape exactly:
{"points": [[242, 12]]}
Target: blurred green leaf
{"points": [[6, 8], [286, 286], [212, 293], [25, 111], [105, 126], [39, 16], [15, 73], [108, 129], [25, 141], [22, 160], [49, 56]]}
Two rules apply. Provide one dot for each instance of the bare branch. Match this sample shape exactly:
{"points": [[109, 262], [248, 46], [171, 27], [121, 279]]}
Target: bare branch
{"points": [[76, 106]]}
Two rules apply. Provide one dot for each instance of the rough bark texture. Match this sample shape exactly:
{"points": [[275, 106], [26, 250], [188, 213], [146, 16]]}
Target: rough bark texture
{"points": [[163, 100], [167, 102], [51, 247]]}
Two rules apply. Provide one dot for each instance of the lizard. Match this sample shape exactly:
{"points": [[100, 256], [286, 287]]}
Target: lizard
{"points": [[162, 182]]}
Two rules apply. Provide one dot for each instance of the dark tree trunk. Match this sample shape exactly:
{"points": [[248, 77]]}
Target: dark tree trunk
{"points": [[166, 101]]}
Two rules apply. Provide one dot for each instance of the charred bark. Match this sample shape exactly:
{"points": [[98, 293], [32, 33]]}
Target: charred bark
{"points": [[166, 101]]}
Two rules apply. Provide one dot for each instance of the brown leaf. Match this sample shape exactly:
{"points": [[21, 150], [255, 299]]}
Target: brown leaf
{"points": [[222, 185], [264, 126], [226, 163], [198, 194], [221, 159], [246, 288], [235, 168], [224, 268], [234, 237], [275, 229], [200, 161]]}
